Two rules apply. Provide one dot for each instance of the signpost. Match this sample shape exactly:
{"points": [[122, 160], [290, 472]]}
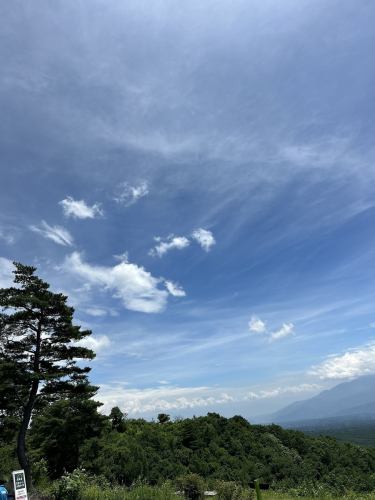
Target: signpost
{"points": [[19, 481]]}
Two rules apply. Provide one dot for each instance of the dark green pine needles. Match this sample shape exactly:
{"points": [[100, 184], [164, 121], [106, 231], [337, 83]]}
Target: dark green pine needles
{"points": [[38, 353]]}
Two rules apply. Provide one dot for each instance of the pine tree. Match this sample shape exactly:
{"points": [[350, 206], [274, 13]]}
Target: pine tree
{"points": [[38, 341]]}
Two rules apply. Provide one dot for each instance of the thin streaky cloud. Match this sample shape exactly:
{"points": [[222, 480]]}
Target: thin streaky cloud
{"points": [[128, 195], [7, 237], [58, 234]]}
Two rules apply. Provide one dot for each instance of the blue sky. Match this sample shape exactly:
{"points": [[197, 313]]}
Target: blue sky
{"points": [[199, 179]]}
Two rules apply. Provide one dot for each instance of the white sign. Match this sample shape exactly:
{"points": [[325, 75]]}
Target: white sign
{"points": [[19, 481]]}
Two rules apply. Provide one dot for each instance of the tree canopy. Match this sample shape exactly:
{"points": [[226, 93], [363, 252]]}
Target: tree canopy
{"points": [[39, 350]]}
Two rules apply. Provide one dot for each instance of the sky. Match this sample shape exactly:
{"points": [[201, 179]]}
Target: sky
{"points": [[198, 177]]}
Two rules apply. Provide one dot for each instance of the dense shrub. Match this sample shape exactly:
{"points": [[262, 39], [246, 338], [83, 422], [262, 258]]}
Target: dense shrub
{"points": [[72, 485], [192, 485], [229, 490]]}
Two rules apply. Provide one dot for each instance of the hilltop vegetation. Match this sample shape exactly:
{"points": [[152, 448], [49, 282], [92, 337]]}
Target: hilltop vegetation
{"points": [[71, 434], [361, 432]]}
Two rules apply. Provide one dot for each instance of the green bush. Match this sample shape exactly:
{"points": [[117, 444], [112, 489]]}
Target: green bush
{"points": [[139, 492], [192, 485], [72, 486], [8, 461], [229, 490], [69, 486]]}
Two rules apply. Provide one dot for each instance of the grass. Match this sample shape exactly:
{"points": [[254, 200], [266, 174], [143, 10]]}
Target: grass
{"points": [[142, 492], [166, 492], [285, 496]]}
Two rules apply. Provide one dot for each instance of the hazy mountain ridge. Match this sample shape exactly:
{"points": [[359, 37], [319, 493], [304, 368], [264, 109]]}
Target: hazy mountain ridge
{"points": [[354, 399]]}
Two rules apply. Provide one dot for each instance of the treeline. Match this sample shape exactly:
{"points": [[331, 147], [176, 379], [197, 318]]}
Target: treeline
{"points": [[71, 434]]}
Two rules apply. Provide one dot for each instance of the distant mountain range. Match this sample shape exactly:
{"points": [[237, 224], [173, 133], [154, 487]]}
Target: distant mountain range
{"points": [[351, 400]]}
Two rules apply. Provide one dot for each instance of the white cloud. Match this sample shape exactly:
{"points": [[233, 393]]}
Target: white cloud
{"points": [[256, 325], [168, 398], [165, 398], [205, 238], [128, 195], [95, 342], [79, 209], [6, 272], [278, 391], [169, 243], [175, 289], [122, 256], [353, 363], [95, 311], [286, 330], [133, 285], [58, 234]]}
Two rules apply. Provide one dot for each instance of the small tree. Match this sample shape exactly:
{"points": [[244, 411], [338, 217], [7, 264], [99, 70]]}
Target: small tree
{"points": [[163, 418], [117, 418], [38, 339]]}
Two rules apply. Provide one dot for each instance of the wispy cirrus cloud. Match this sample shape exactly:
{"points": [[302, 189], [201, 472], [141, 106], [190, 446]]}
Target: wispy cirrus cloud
{"points": [[350, 364], [7, 237], [58, 234], [137, 288], [79, 209], [278, 391], [97, 312], [127, 195]]}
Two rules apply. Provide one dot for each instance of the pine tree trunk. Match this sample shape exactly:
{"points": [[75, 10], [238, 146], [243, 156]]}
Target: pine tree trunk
{"points": [[21, 440]]}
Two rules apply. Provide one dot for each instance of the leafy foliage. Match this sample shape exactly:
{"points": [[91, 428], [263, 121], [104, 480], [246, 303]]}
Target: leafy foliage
{"points": [[224, 449], [61, 429], [38, 353], [163, 418], [192, 485]]}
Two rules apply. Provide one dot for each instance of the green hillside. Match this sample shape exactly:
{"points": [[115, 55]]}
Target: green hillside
{"points": [[217, 448], [357, 432]]}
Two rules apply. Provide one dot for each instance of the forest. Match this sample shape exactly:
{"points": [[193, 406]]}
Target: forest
{"points": [[51, 426]]}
